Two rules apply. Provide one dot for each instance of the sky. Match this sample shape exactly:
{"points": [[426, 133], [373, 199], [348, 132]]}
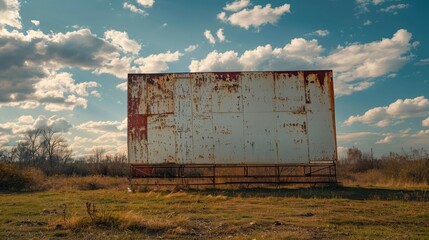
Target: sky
{"points": [[64, 63]]}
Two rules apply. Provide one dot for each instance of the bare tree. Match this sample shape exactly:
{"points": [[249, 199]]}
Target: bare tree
{"points": [[54, 148], [33, 144], [98, 154]]}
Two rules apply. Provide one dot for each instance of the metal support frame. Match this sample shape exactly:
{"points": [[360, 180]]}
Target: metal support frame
{"points": [[214, 174]]}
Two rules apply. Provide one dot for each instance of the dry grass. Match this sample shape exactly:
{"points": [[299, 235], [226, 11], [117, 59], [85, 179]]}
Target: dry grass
{"points": [[61, 183], [289, 213]]}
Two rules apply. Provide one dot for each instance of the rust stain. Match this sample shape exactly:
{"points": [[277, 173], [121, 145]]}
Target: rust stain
{"points": [[300, 110], [227, 76]]}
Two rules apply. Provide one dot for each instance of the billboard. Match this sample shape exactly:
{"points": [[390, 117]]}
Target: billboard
{"points": [[231, 118]]}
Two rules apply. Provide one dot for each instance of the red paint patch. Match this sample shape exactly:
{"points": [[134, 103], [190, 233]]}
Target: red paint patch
{"points": [[137, 126]]}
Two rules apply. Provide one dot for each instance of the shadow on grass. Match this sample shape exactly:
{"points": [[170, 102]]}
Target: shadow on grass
{"points": [[352, 193]]}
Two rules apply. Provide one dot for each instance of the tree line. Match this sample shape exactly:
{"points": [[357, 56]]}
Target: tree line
{"points": [[46, 149]]}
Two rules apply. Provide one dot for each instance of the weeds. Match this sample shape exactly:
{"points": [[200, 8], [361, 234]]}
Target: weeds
{"points": [[13, 178]]}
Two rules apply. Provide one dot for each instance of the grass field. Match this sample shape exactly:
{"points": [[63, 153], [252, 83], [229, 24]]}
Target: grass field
{"points": [[286, 213]]}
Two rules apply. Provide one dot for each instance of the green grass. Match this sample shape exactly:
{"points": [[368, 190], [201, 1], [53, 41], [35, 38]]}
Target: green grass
{"points": [[287, 213]]}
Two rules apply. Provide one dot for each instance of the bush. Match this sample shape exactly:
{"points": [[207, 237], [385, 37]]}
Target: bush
{"points": [[12, 178]]}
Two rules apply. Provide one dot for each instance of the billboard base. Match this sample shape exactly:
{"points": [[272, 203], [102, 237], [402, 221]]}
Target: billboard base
{"points": [[213, 175]]}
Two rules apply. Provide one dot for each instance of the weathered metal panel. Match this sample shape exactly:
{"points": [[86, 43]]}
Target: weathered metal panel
{"points": [[292, 142], [160, 94], [226, 93], [203, 139], [289, 92], [183, 120], [228, 137], [258, 92], [260, 137], [238, 117], [319, 103], [161, 138]]}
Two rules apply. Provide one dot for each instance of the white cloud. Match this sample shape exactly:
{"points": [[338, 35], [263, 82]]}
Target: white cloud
{"points": [[156, 62], [376, 2], [146, 3], [35, 22], [320, 33], [164, 25], [355, 66], [394, 8], [134, 9], [209, 37], [255, 17], [425, 122], [31, 63], [237, 5], [121, 40], [27, 123], [222, 16], [109, 135], [362, 5], [400, 109], [354, 135], [299, 53], [122, 86], [423, 62], [422, 133], [367, 23], [363, 62], [220, 35], [388, 139], [9, 14], [191, 48], [98, 127]]}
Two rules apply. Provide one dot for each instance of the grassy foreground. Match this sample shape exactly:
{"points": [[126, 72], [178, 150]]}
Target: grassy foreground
{"points": [[287, 213]]}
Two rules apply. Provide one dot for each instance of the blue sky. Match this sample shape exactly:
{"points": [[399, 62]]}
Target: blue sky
{"points": [[64, 63]]}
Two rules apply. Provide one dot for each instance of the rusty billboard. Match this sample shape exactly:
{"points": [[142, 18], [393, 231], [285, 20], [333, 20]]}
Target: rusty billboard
{"points": [[232, 118]]}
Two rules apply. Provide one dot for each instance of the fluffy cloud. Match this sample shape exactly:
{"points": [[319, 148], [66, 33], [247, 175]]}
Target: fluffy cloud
{"points": [[394, 8], [299, 53], [320, 33], [388, 139], [134, 9], [355, 66], [209, 37], [387, 115], [362, 5], [254, 17], [236, 5], [425, 122], [35, 22], [156, 62], [355, 135], [191, 48], [122, 41], [423, 62], [109, 135], [9, 14], [31, 62], [220, 35], [102, 126], [372, 59], [146, 3], [122, 86], [27, 123]]}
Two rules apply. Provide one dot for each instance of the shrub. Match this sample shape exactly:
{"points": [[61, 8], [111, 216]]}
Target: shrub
{"points": [[12, 178]]}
